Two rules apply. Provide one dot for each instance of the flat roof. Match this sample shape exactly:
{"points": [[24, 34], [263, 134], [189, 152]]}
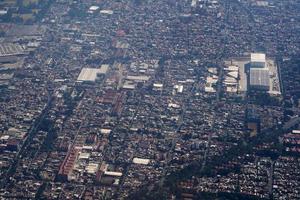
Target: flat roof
{"points": [[209, 89], [94, 8], [159, 85], [109, 173], [92, 168], [232, 68], [84, 155], [258, 57], [141, 161], [105, 131], [108, 12], [234, 74], [11, 49], [128, 86], [296, 131], [90, 74], [259, 77], [104, 68], [138, 78]]}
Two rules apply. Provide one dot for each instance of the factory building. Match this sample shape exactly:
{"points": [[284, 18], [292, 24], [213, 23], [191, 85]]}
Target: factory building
{"points": [[259, 79], [251, 74], [257, 73], [90, 75], [258, 60]]}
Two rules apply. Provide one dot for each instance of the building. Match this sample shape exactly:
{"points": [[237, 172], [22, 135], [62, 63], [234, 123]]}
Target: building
{"points": [[67, 165], [258, 60], [291, 143], [92, 74], [259, 79], [141, 161], [258, 74], [11, 49]]}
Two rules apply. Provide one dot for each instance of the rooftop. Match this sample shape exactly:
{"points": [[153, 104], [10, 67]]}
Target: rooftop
{"points": [[141, 161], [259, 77], [90, 74], [258, 57]]}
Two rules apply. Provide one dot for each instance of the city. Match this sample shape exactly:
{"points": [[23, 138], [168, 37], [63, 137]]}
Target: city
{"points": [[131, 99]]}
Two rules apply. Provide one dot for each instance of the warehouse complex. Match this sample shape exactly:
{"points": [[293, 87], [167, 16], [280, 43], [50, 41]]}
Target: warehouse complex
{"points": [[255, 72]]}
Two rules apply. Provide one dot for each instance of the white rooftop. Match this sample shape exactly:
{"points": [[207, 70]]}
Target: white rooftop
{"points": [[234, 74], [84, 156], [3, 12], [128, 87], [141, 161], [179, 88], [109, 173], [90, 74], [232, 68], [296, 131], [92, 168], [258, 57], [104, 68], [94, 8], [159, 85], [105, 131], [209, 89], [138, 78], [108, 12], [211, 80]]}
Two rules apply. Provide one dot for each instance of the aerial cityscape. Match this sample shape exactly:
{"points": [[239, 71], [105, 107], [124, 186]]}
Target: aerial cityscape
{"points": [[150, 99]]}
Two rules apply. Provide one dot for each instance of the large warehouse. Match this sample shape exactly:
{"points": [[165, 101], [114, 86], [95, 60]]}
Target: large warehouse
{"points": [[91, 74], [258, 74], [259, 79], [258, 60]]}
